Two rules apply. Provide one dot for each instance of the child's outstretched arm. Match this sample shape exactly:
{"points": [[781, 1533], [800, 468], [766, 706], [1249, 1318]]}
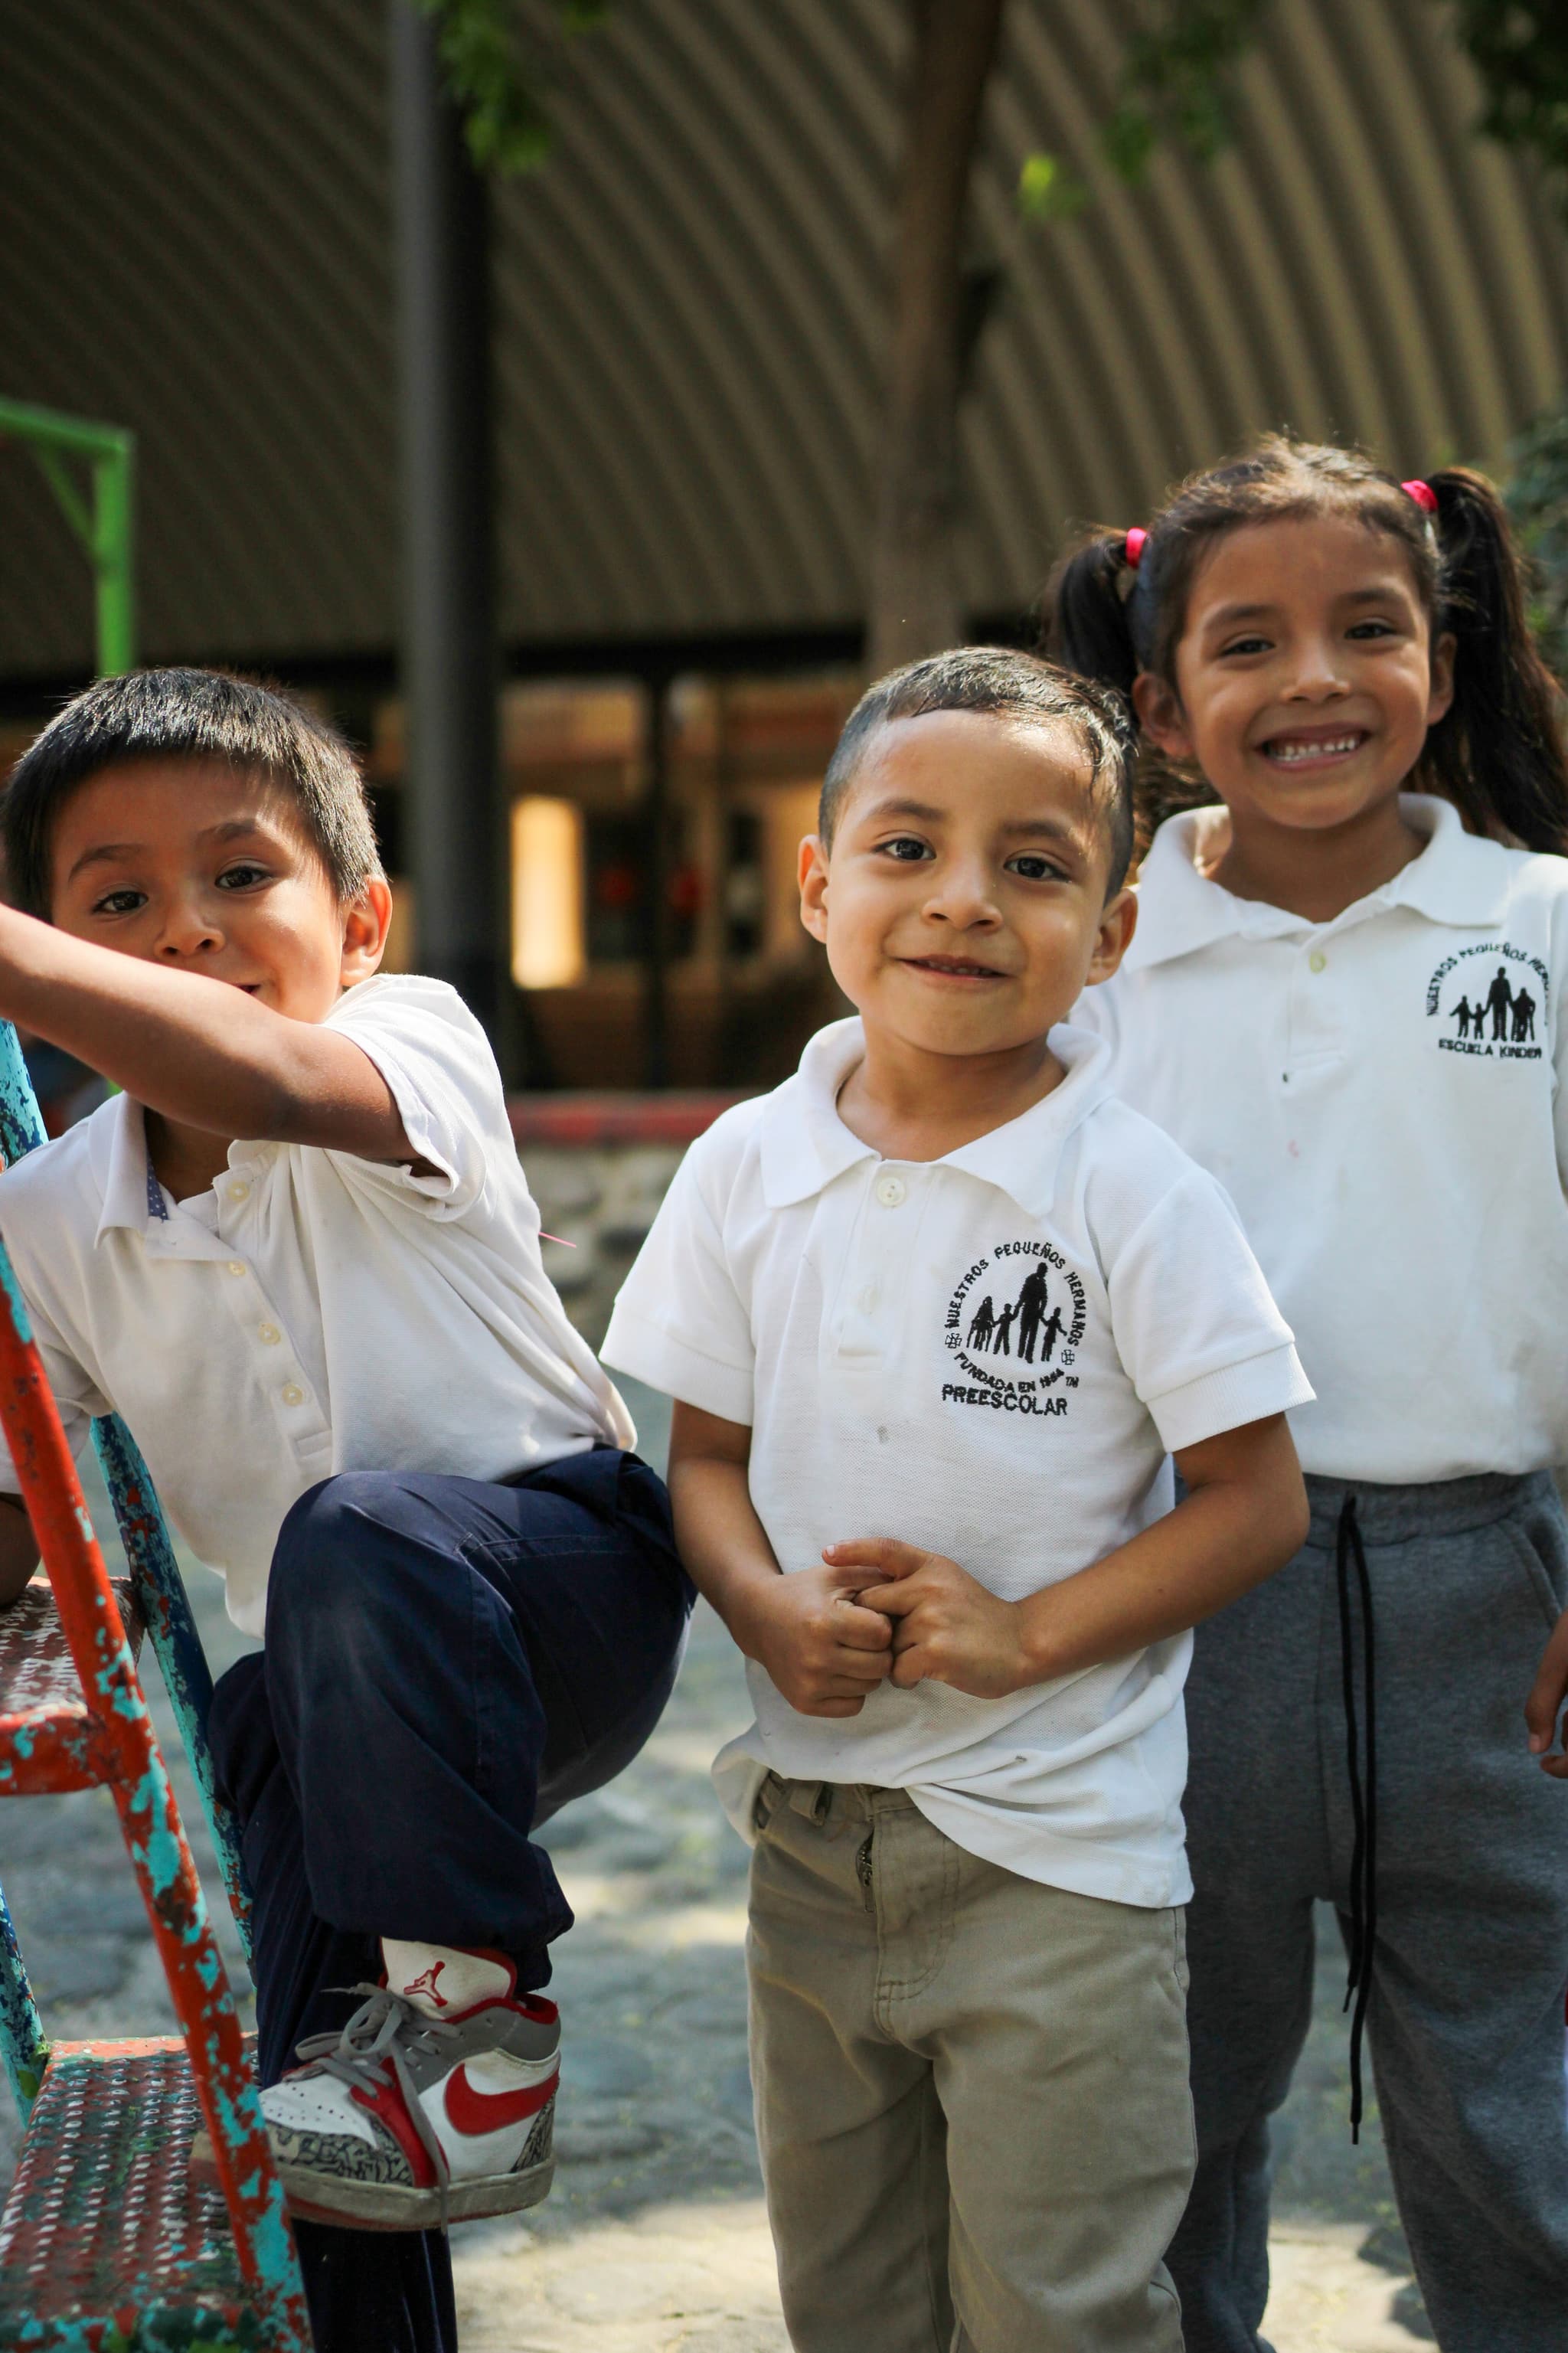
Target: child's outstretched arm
{"points": [[808, 1631], [1545, 1705], [201, 1052], [1243, 1516]]}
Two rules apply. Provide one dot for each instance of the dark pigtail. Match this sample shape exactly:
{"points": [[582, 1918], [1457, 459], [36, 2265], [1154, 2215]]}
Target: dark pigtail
{"points": [[1499, 753], [1085, 619]]}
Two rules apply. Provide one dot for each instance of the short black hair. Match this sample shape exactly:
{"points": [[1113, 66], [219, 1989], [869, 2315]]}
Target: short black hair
{"points": [[188, 714], [1004, 684]]}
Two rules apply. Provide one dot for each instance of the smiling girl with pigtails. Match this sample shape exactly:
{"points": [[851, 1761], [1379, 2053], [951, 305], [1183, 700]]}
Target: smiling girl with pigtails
{"points": [[1343, 999]]}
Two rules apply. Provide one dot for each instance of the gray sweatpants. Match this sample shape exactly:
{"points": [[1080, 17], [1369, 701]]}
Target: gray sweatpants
{"points": [[1466, 2020]]}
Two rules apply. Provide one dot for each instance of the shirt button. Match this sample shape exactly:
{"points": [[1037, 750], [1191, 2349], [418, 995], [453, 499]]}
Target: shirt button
{"points": [[890, 1191], [269, 1333], [292, 1394], [237, 1266], [1318, 961], [240, 1190]]}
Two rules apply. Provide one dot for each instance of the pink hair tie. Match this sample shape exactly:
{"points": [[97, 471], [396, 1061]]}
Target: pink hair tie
{"points": [[1423, 493], [1137, 539]]}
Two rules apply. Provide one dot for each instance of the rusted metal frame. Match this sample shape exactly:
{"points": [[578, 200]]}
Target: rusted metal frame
{"points": [[23, 2046], [159, 1587], [21, 1124], [154, 1835], [51, 1754], [165, 1609]]}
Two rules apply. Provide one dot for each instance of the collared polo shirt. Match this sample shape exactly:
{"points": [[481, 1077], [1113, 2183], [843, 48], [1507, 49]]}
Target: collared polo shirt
{"points": [[990, 1354], [1381, 1096], [311, 1313]]}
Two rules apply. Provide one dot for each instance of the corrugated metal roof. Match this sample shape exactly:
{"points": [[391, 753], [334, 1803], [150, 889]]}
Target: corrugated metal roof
{"points": [[193, 240]]}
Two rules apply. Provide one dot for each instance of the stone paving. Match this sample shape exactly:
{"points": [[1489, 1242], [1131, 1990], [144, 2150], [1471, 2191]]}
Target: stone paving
{"points": [[655, 2239]]}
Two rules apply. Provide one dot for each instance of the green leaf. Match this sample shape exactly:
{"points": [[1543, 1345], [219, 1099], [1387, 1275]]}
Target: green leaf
{"points": [[501, 84], [1049, 191], [1537, 495], [1129, 138], [1178, 81], [1519, 50]]}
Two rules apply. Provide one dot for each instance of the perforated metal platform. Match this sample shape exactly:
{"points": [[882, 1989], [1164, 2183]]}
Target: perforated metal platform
{"points": [[37, 1676], [104, 2245]]}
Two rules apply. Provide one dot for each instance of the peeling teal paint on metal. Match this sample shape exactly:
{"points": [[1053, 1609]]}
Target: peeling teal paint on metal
{"points": [[21, 1123], [13, 1291], [166, 1610], [274, 2243], [162, 1849], [24, 2046], [157, 1846], [150, 1819]]}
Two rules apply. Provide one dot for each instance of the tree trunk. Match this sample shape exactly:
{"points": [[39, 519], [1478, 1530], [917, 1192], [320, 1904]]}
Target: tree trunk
{"points": [[914, 606]]}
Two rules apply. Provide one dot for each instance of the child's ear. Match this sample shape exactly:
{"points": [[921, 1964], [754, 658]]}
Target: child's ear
{"points": [[367, 917], [813, 876], [1159, 716], [1118, 922], [1440, 699]]}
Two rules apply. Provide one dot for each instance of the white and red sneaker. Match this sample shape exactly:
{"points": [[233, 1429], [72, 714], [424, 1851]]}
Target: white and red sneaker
{"points": [[435, 2104]]}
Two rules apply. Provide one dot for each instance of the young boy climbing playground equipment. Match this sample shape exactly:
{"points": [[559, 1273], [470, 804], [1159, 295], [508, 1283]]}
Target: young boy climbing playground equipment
{"points": [[105, 2246]]}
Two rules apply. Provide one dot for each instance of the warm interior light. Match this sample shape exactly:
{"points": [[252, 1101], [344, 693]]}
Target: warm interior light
{"points": [[546, 893]]}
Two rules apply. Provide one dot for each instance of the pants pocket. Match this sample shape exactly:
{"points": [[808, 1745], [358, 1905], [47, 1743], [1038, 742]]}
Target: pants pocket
{"points": [[1538, 1570], [1179, 1924], [765, 1804]]}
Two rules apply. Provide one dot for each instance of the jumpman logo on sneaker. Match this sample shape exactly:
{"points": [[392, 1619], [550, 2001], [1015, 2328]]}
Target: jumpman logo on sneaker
{"points": [[425, 1983]]}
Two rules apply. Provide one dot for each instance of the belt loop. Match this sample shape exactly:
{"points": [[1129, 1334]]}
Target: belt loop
{"points": [[822, 1804]]}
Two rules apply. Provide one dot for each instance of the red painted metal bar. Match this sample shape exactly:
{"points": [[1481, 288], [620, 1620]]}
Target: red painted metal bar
{"points": [[160, 1589], [55, 1754], [154, 1834]]}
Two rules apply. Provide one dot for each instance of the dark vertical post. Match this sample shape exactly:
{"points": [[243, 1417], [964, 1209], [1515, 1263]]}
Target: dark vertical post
{"points": [[448, 654], [656, 900]]}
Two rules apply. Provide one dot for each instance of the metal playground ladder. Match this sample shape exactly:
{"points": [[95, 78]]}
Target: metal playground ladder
{"points": [[105, 2247]]}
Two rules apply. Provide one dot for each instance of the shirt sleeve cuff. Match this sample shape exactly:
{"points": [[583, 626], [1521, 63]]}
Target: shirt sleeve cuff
{"points": [[1229, 1397], [443, 1180], [657, 1357]]}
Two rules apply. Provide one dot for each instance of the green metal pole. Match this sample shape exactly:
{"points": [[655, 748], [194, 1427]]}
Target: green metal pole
{"points": [[113, 528], [108, 536]]}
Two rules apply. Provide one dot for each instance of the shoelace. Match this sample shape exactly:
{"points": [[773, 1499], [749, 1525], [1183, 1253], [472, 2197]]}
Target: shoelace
{"points": [[1363, 1810], [368, 2053]]}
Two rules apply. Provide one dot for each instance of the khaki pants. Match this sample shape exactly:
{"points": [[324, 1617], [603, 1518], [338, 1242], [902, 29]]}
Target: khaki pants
{"points": [[972, 2091]]}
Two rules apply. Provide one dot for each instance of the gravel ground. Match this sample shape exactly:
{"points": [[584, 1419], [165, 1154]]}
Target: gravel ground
{"points": [[654, 2237]]}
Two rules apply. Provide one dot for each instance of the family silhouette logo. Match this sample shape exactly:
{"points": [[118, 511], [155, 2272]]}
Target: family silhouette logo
{"points": [[1495, 1013], [1014, 1327]]}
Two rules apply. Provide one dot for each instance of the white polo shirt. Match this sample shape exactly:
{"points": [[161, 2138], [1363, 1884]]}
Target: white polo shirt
{"points": [[312, 1312], [990, 1355], [1382, 1097]]}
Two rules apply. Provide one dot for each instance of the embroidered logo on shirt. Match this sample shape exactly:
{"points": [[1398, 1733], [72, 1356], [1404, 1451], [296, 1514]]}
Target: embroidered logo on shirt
{"points": [[1014, 1327], [1495, 1010]]}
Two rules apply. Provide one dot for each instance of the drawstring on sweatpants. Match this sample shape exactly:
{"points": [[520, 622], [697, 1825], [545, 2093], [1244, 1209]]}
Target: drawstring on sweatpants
{"points": [[1363, 1808]]}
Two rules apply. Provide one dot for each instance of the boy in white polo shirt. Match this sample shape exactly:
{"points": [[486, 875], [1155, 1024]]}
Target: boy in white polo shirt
{"points": [[298, 1255], [936, 1314]]}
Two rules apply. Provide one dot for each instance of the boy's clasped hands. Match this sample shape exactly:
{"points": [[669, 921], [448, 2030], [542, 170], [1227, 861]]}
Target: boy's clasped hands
{"points": [[879, 1610]]}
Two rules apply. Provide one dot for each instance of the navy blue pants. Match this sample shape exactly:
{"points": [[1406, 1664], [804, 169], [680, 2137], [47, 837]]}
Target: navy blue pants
{"points": [[446, 1663]]}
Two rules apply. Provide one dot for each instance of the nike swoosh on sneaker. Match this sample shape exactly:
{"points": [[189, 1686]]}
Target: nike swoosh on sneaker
{"points": [[469, 2110]]}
